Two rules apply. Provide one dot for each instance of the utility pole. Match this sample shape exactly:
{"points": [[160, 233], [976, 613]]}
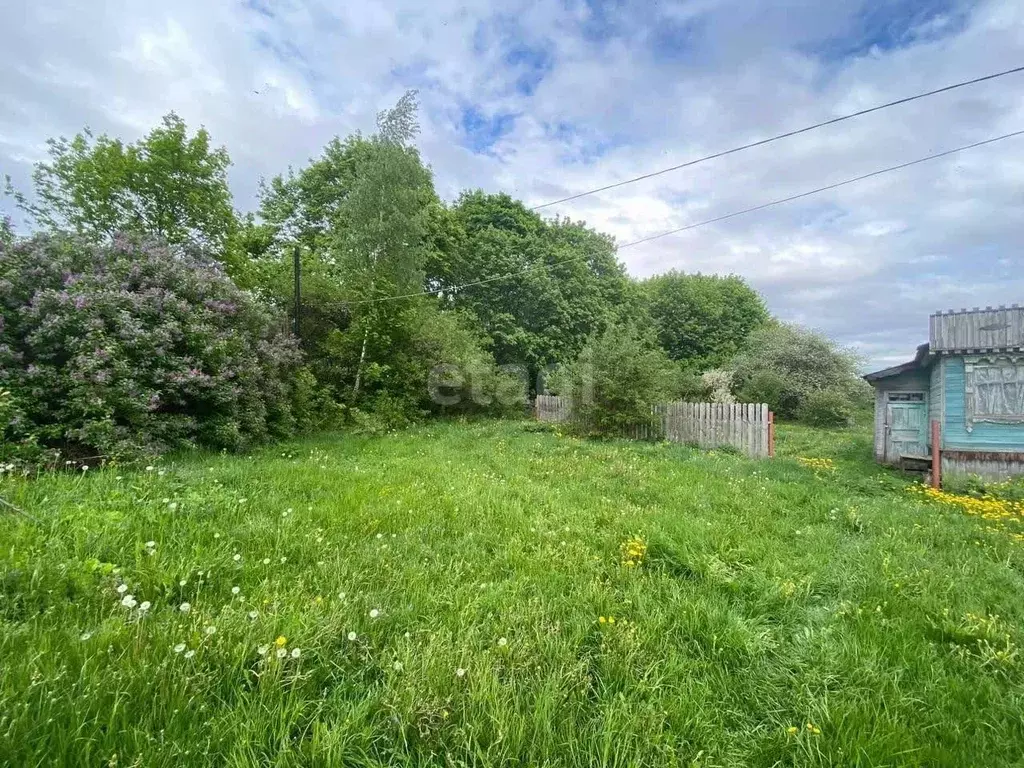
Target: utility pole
{"points": [[297, 266]]}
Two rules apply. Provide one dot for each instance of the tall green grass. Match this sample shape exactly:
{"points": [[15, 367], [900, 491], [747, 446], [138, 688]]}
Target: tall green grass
{"points": [[781, 615]]}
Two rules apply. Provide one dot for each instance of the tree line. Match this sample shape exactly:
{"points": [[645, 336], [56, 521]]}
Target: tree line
{"points": [[145, 313]]}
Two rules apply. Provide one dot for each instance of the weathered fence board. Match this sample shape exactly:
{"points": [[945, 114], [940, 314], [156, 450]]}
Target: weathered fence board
{"points": [[744, 426]]}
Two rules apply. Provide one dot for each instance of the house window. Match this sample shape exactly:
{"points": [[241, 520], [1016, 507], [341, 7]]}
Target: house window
{"points": [[906, 397], [995, 390]]}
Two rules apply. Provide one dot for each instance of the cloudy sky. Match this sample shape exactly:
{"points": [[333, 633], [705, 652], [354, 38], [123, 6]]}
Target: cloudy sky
{"points": [[548, 99]]}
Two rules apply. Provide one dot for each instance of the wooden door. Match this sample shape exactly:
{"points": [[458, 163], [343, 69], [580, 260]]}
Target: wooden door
{"points": [[906, 422]]}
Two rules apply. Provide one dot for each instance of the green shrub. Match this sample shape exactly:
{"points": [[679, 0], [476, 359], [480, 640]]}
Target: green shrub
{"points": [[134, 348], [615, 382], [827, 408]]}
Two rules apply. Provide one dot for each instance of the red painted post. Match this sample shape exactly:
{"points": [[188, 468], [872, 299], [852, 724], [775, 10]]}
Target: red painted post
{"points": [[771, 434], [936, 456]]}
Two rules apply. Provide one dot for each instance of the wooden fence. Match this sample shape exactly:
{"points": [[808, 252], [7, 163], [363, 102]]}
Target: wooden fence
{"points": [[747, 427]]}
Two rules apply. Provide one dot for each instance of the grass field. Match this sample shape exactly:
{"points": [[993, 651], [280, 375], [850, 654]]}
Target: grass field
{"points": [[497, 594]]}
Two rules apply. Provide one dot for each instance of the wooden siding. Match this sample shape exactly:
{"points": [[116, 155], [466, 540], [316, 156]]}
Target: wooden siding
{"points": [[911, 381], [984, 436], [994, 466], [936, 401], [977, 330]]}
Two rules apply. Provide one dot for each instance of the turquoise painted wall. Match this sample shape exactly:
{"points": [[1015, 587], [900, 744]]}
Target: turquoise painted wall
{"points": [[984, 437]]}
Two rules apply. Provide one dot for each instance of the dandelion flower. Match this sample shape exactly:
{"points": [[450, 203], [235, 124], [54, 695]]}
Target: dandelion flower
{"points": [[128, 601], [341, 595], [262, 650], [172, 506], [284, 560], [408, 635], [460, 672], [502, 642], [211, 629], [237, 557], [254, 615], [85, 636], [296, 653], [182, 583], [380, 535], [185, 607], [266, 561], [189, 654], [281, 652], [146, 605], [611, 619], [149, 469], [601, 619], [280, 642], [812, 728], [374, 613], [179, 648], [216, 535], [792, 730], [150, 545], [235, 590], [352, 636], [122, 588]]}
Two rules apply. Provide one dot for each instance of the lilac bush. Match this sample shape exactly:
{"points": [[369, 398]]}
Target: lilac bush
{"points": [[133, 347]]}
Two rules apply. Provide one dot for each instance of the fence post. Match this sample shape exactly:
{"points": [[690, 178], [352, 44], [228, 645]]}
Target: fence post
{"points": [[936, 455], [771, 434]]}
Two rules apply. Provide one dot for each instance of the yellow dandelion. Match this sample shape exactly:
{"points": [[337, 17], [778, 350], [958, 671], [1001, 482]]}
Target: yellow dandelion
{"points": [[812, 728], [792, 730], [281, 641], [601, 619]]}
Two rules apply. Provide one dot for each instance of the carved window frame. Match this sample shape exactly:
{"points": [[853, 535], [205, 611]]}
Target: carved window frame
{"points": [[971, 365]]}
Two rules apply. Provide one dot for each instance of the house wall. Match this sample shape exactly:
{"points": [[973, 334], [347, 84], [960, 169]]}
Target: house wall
{"points": [[993, 450], [911, 381]]}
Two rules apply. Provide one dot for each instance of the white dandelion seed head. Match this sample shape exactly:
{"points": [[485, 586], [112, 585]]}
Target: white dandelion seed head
{"points": [[341, 595], [182, 583], [161, 473], [235, 590], [172, 506], [262, 650], [408, 635], [282, 652], [149, 469], [296, 653], [242, 501], [380, 535], [145, 606], [398, 666], [179, 648], [85, 467], [189, 654], [150, 545], [122, 588], [352, 636], [85, 636], [254, 614], [374, 613], [211, 629], [460, 672], [129, 601], [284, 559], [185, 607], [266, 561], [237, 558], [502, 641], [216, 534]]}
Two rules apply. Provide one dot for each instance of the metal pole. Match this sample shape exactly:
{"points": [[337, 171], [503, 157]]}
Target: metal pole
{"points": [[297, 267]]}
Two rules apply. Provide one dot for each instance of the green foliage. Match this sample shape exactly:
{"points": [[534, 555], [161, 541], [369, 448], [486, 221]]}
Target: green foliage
{"points": [[830, 407], [168, 185], [703, 320], [783, 364], [132, 348], [559, 281], [616, 380], [769, 597]]}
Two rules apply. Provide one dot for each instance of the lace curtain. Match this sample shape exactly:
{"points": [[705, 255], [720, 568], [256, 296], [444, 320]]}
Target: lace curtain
{"points": [[995, 390]]}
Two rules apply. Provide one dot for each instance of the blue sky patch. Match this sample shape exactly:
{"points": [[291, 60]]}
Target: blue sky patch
{"points": [[532, 63], [898, 24], [480, 131]]}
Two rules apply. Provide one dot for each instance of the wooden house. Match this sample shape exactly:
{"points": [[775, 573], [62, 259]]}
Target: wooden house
{"points": [[969, 378]]}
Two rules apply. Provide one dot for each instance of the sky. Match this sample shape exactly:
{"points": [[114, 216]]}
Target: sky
{"points": [[544, 100]]}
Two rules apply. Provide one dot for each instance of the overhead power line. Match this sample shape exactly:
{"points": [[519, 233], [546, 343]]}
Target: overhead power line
{"points": [[705, 222], [786, 135], [789, 199]]}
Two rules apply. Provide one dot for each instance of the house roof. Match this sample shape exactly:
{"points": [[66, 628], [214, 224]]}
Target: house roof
{"points": [[918, 362]]}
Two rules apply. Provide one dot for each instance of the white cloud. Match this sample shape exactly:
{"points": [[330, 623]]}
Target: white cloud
{"points": [[586, 92]]}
